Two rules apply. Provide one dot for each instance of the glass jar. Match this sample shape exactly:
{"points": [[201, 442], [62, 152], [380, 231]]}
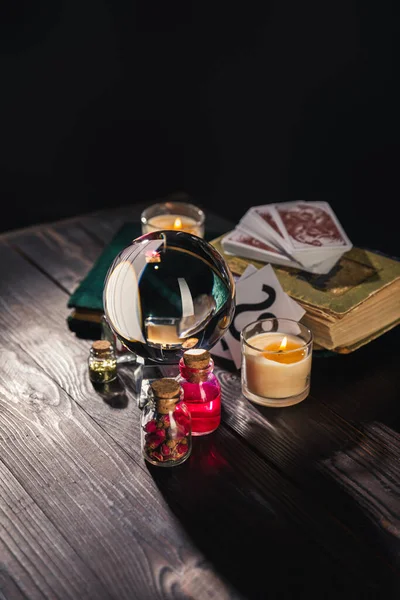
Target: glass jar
{"points": [[174, 215], [201, 390], [276, 361], [102, 362], [166, 434]]}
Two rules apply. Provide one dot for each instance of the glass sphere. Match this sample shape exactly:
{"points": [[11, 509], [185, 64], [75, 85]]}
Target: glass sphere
{"points": [[167, 292]]}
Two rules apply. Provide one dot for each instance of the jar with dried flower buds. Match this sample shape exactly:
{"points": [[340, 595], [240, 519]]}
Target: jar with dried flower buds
{"points": [[166, 432]]}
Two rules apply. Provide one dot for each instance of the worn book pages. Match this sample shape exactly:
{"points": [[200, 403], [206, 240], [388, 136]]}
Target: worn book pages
{"points": [[354, 303]]}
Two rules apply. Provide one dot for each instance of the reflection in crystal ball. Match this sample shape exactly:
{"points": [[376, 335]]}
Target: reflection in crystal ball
{"points": [[167, 292]]}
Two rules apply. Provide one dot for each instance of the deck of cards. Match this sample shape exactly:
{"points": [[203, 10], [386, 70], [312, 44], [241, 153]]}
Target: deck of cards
{"points": [[299, 234]]}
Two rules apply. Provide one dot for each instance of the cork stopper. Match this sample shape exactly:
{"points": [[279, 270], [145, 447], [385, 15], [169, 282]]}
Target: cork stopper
{"points": [[101, 347], [167, 392], [196, 358], [165, 388]]}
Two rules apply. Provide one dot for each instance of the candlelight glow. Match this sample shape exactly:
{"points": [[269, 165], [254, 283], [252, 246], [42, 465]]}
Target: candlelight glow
{"points": [[177, 223], [282, 350], [283, 344]]}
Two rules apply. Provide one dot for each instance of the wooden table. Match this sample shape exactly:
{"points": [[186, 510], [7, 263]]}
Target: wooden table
{"points": [[277, 503]]}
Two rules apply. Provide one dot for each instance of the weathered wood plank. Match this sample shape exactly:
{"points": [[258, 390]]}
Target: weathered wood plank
{"points": [[9, 588], [65, 252], [366, 383], [355, 474], [39, 353], [42, 563], [104, 504], [103, 225], [33, 314]]}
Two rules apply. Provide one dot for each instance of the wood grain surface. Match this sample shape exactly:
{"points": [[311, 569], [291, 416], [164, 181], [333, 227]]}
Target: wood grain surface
{"points": [[277, 503]]}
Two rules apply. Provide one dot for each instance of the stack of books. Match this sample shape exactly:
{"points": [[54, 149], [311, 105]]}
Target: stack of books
{"points": [[355, 302]]}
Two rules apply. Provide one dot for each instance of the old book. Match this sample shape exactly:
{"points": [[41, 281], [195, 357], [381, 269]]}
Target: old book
{"points": [[358, 300]]}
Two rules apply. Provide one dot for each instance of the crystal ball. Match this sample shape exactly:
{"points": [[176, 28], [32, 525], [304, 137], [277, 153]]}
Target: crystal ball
{"points": [[167, 292]]}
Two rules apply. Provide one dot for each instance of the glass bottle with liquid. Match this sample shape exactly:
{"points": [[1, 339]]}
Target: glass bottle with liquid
{"points": [[201, 390], [102, 362]]}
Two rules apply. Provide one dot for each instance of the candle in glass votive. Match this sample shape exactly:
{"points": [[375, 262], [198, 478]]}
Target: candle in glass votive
{"points": [[176, 216], [175, 222], [276, 366]]}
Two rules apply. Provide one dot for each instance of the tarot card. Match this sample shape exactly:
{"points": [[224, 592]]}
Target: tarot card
{"points": [[241, 243], [310, 226], [324, 266], [259, 296], [261, 221]]}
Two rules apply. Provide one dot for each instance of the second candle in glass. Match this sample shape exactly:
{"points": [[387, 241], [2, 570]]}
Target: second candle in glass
{"points": [[201, 390]]}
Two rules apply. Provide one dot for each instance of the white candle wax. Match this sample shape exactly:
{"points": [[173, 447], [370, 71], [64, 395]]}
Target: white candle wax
{"points": [[271, 379], [175, 222]]}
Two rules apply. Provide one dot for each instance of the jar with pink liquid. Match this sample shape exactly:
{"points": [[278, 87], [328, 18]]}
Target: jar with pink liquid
{"points": [[201, 390]]}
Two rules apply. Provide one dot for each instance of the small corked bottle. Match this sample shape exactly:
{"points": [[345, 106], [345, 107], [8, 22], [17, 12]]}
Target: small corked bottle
{"points": [[166, 432], [201, 390], [102, 362]]}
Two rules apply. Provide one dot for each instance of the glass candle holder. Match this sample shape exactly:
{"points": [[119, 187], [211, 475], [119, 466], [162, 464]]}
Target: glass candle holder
{"points": [[176, 216], [276, 362]]}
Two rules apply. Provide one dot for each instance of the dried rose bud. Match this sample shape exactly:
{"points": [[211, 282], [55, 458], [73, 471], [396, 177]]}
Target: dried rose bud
{"points": [[184, 441], [171, 443], [166, 422], [155, 439], [157, 456], [150, 426], [182, 449], [165, 450]]}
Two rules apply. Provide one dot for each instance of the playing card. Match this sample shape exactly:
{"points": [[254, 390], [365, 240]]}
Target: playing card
{"points": [[299, 234], [241, 243], [324, 266], [259, 296], [266, 214], [261, 221], [310, 226]]}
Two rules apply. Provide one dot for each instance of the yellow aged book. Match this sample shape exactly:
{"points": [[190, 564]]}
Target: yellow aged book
{"points": [[353, 304]]}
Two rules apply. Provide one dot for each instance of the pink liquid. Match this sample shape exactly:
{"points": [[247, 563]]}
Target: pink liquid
{"points": [[204, 403]]}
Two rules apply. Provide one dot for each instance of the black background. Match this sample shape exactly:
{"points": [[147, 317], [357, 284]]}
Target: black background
{"points": [[109, 103]]}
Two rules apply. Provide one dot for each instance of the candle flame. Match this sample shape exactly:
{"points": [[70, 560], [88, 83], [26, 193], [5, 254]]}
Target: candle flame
{"points": [[177, 223], [283, 344]]}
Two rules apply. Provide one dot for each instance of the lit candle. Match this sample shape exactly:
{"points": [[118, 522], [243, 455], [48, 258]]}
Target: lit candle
{"points": [[174, 222], [175, 216], [276, 369]]}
